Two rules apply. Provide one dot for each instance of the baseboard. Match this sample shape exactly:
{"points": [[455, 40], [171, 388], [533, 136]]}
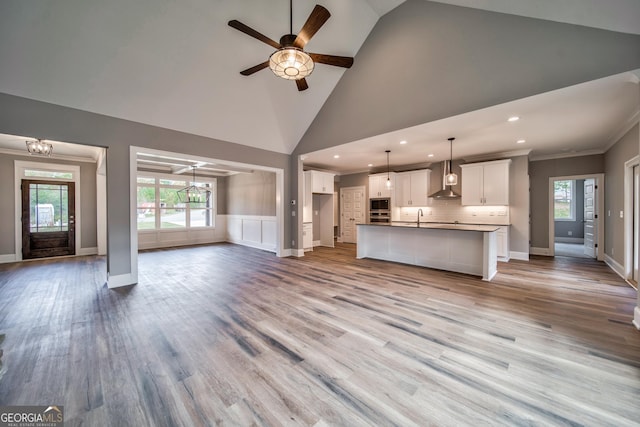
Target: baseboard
{"points": [[296, 252], [316, 243], [87, 251], [520, 256], [539, 251], [120, 280], [252, 245], [8, 258], [579, 240], [614, 265]]}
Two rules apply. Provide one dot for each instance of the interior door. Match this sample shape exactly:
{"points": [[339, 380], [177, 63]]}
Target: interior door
{"points": [[589, 218], [352, 212], [48, 218]]}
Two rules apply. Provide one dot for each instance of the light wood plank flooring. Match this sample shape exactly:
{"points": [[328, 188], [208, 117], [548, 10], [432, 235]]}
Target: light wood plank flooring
{"points": [[229, 335]]}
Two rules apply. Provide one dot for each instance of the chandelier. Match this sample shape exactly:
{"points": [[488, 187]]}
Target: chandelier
{"points": [[194, 193], [39, 147]]}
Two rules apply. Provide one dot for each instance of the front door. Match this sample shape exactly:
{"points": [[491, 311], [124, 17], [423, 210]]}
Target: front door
{"points": [[48, 218], [352, 212], [589, 218]]}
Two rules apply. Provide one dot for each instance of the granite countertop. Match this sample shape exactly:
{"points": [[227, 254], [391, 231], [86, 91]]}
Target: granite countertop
{"points": [[440, 226]]}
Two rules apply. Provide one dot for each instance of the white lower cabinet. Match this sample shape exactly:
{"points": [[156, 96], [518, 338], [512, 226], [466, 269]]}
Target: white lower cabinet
{"points": [[502, 240], [307, 236]]}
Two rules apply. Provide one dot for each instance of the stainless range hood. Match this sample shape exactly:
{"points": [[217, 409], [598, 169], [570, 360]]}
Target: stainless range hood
{"points": [[446, 192]]}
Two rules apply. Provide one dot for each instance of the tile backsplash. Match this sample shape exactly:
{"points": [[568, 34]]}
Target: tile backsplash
{"points": [[451, 211]]}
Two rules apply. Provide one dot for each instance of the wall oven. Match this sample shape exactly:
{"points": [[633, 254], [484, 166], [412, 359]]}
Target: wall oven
{"points": [[380, 211]]}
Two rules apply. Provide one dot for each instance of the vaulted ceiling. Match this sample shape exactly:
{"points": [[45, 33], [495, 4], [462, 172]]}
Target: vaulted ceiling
{"points": [[176, 64]]}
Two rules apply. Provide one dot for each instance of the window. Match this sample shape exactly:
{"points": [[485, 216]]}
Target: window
{"points": [[48, 174], [159, 208], [564, 194]]}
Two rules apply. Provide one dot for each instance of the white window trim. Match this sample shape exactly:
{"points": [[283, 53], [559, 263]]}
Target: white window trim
{"points": [[188, 179], [19, 174], [573, 201]]}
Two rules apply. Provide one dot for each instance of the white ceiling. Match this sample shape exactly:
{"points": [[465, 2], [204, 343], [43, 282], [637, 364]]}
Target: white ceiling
{"points": [[176, 65]]}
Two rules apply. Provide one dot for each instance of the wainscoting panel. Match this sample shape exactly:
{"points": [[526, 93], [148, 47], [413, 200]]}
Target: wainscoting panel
{"points": [[255, 231]]}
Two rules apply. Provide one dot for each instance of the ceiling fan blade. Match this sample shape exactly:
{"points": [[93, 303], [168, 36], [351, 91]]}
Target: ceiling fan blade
{"points": [[254, 69], [338, 61], [302, 84], [318, 17], [253, 33]]}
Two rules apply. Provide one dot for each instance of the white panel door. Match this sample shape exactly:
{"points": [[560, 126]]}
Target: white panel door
{"points": [[352, 212], [589, 218]]}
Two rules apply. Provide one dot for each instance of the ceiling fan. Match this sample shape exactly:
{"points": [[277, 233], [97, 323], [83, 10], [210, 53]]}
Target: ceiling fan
{"points": [[290, 61]]}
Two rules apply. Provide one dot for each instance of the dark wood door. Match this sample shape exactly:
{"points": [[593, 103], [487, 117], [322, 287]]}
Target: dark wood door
{"points": [[48, 219]]}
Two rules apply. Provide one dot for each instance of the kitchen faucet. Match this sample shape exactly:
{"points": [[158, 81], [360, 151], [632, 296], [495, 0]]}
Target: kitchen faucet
{"points": [[420, 213]]}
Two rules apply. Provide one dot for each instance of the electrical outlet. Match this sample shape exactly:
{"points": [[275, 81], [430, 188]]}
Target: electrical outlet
{"points": [[570, 233], [621, 214]]}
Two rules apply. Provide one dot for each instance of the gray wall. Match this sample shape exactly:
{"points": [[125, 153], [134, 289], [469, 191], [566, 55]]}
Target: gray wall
{"points": [[88, 210], [519, 205], [251, 194], [625, 149], [540, 172], [576, 227], [25, 117], [455, 60]]}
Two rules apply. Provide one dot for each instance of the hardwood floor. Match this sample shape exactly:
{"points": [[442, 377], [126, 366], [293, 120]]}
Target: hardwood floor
{"points": [[228, 335]]}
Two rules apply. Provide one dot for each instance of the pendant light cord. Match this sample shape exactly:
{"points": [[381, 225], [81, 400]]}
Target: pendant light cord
{"points": [[290, 16]]}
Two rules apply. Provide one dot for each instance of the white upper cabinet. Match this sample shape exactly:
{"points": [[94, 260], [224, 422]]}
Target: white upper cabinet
{"points": [[378, 185], [486, 183], [321, 182], [413, 187]]}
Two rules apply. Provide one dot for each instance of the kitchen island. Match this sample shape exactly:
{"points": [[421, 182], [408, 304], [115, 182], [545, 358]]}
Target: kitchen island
{"points": [[462, 248]]}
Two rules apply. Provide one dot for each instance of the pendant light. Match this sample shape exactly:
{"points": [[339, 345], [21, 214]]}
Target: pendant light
{"points": [[388, 183], [194, 193], [451, 178], [39, 147]]}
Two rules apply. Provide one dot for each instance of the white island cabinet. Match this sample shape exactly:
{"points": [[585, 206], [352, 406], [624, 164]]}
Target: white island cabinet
{"points": [[462, 248]]}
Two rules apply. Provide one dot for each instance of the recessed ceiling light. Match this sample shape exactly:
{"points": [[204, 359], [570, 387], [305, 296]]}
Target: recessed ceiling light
{"points": [[370, 165], [336, 156], [430, 155], [513, 119], [403, 142], [521, 141]]}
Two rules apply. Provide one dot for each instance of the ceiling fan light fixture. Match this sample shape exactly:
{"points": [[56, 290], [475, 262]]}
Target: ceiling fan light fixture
{"points": [[291, 63]]}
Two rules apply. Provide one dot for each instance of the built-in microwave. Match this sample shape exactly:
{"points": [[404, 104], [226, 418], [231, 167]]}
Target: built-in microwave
{"points": [[379, 211], [379, 204]]}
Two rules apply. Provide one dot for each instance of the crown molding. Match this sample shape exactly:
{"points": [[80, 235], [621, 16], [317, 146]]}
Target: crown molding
{"points": [[496, 156], [565, 155]]}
